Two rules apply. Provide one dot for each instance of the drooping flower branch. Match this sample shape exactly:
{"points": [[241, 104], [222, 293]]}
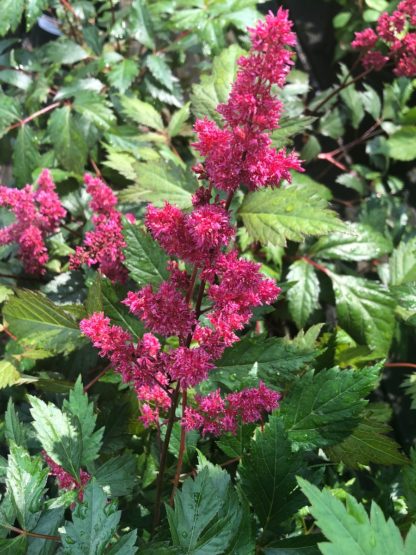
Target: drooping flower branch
{"points": [[240, 153], [103, 245], [394, 38], [38, 214]]}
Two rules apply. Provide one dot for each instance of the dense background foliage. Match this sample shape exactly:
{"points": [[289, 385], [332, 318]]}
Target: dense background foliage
{"points": [[115, 92]]}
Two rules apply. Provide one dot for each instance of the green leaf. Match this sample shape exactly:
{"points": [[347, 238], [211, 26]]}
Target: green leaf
{"points": [[122, 74], [160, 70], [11, 14], [34, 9], [14, 430], [357, 242], [26, 480], [268, 475], [409, 483], [9, 112], [9, 374], [145, 260], [38, 322], [142, 113], [178, 119], [215, 88], [353, 101], [292, 213], [297, 545], [112, 295], [125, 545], [68, 139], [158, 182], [368, 443], [65, 51], [59, 435], [117, 476], [206, 513], [25, 155], [405, 296], [122, 163], [94, 523], [82, 411], [303, 296], [350, 530], [140, 24], [402, 144], [16, 546], [273, 360], [365, 310], [321, 409], [288, 128], [402, 263], [95, 108], [48, 524], [371, 101]]}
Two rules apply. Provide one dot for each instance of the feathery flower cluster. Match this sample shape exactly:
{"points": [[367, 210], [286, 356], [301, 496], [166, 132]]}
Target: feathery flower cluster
{"points": [[216, 415], [65, 479], [103, 246], [241, 152], [395, 39], [38, 214], [238, 154]]}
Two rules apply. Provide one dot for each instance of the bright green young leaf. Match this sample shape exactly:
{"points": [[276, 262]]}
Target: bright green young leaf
{"points": [[26, 480], [349, 529], [178, 119], [59, 434], [157, 182], [402, 144], [68, 140], [38, 322], [122, 74], [292, 213], [323, 408], [122, 163], [215, 88], [11, 14], [94, 523], [303, 296], [25, 155], [206, 514], [365, 310], [368, 443], [142, 113], [309, 186], [268, 475], [95, 108], [357, 242], [145, 260], [273, 360], [82, 411], [9, 374], [402, 263]]}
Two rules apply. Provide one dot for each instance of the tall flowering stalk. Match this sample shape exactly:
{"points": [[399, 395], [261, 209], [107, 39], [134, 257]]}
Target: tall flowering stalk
{"points": [[240, 153]]}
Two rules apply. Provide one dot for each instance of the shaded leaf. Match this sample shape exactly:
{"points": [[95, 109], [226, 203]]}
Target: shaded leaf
{"points": [[303, 295], [142, 113], [323, 408], [68, 139], [25, 155], [122, 74]]}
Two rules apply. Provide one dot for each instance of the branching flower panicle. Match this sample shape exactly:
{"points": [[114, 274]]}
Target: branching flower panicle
{"points": [[38, 212]]}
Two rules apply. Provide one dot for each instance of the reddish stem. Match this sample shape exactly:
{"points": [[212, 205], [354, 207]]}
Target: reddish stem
{"points": [[95, 380], [9, 333], [31, 534], [33, 116], [400, 365], [341, 87], [315, 264]]}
